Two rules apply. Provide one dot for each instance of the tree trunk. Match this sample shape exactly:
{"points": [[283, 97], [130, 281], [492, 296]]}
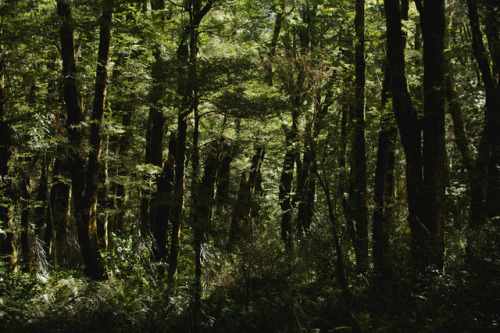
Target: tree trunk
{"points": [[224, 175], [161, 204], [244, 209], [41, 210], [455, 110], [206, 193], [485, 178], [429, 233], [58, 215], [89, 216], [305, 191], [339, 262], [187, 53], [384, 187], [285, 189], [155, 127], [425, 195], [7, 235], [359, 149], [85, 181], [280, 8], [178, 199], [160, 210], [25, 224]]}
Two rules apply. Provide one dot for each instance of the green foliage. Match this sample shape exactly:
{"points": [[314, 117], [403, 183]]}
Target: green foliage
{"points": [[258, 286]]}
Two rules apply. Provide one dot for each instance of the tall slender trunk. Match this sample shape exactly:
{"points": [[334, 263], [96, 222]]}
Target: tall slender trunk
{"points": [[455, 110], [119, 146], [384, 187], [244, 209], [41, 209], [407, 120], [197, 222], [485, 177], [85, 180], [26, 242], [155, 127], [161, 204], [187, 54], [340, 268], [95, 140], [292, 157], [493, 189], [58, 214], [74, 121], [178, 199], [155, 131], [280, 8], [359, 144], [452, 99], [305, 191], [7, 235], [224, 175], [285, 189], [430, 230], [158, 216]]}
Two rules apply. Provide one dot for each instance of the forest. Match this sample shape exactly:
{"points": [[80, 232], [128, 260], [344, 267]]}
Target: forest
{"points": [[249, 166]]}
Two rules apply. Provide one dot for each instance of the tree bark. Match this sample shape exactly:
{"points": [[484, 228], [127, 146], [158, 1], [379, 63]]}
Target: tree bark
{"points": [[7, 235], [85, 180], [161, 204], [285, 188], [430, 231], [224, 175], [244, 209], [25, 224], [40, 216], [384, 187], [339, 262], [359, 144], [156, 128], [274, 43], [305, 191], [187, 53], [425, 175], [58, 214], [485, 178]]}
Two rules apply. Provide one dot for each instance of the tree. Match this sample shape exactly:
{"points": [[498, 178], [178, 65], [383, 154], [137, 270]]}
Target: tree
{"points": [[188, 94], [484, 189], [84, 173], [383, 192], [7, 235], [359, 150], [425, 161]]}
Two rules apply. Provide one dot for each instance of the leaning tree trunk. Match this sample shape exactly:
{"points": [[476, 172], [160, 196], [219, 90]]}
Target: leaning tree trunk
{"points": [[406, 116], [340, 269]]}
